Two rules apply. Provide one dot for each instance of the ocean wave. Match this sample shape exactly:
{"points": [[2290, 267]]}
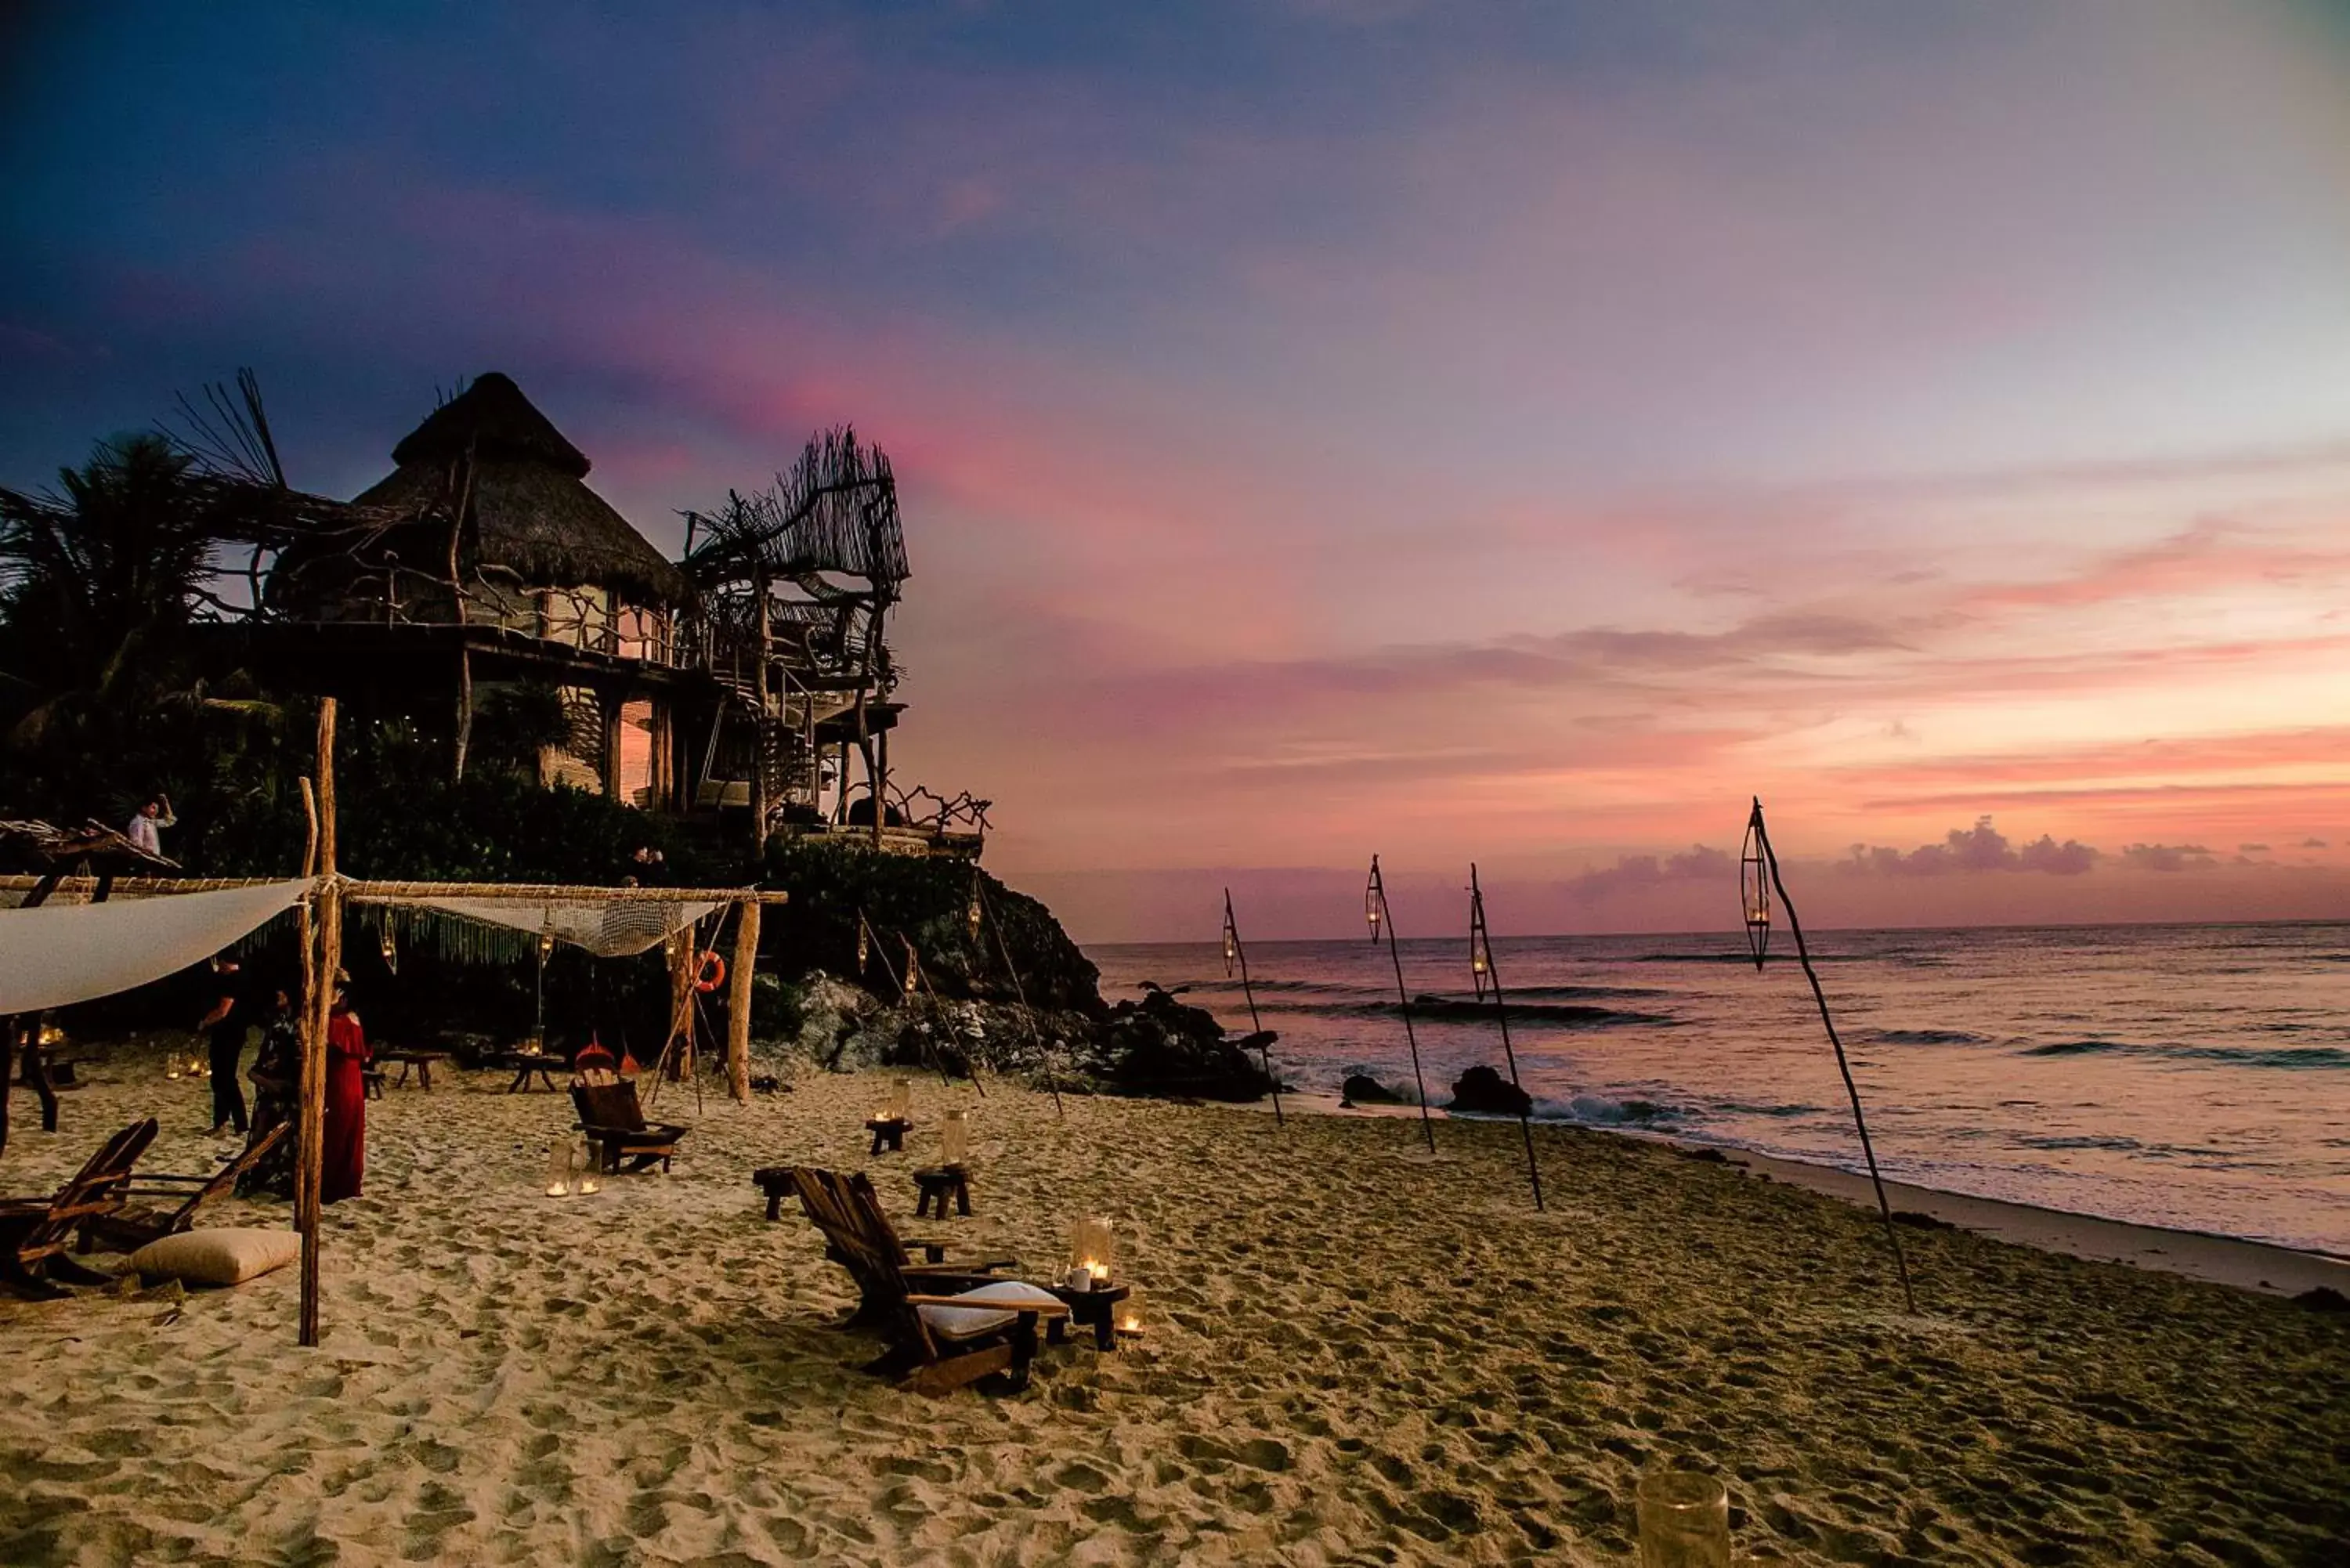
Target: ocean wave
{"points": [[1599, 1110], [1928, 1037], [2302, 1057], [2124, 1143], [1461, 1009], [1733, 1108]]}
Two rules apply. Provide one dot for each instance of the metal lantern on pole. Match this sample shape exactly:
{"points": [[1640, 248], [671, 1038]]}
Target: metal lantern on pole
{"points": [[1754, 887], [1382, 919], [1758, 931], [1235, 955], [1481, 971]]}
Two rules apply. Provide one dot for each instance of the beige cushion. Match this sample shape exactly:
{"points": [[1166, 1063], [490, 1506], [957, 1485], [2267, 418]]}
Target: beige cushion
{"points": [[221, 1256], [961, 1322]]}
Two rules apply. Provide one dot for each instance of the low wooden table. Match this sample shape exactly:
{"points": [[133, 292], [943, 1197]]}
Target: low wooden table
{"points": [[1090, 1308], [937, 1183], [420, 1060], [891, 1130], [523, 1064]]}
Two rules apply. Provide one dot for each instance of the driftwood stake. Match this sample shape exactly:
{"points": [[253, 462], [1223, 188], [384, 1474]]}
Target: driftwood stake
{"points": [[738, 1003], [329, 899], [1761, 838], [1382, 920], [1484, 971], [1236, 954]]}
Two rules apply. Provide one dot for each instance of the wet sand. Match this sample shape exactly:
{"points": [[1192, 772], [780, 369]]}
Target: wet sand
{"points": [[1354, 1353]]}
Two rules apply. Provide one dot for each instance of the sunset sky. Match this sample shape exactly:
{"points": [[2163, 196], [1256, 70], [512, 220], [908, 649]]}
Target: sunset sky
{"points": [[1517, 431]]}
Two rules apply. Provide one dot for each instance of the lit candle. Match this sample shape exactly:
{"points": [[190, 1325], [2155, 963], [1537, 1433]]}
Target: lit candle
{"points": [[585, 1162]]}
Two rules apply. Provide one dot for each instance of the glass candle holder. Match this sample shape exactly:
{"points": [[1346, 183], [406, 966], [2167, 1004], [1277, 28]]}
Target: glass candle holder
{"points": [[898, 1106], [1129, 1311], [1684, 1521], [954, 1139], [560, 1159], [1093, 1248], [583, 1161]]}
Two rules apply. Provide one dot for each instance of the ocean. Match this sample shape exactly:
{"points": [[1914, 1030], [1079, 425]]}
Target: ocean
{"points": [[2196, 1077]]}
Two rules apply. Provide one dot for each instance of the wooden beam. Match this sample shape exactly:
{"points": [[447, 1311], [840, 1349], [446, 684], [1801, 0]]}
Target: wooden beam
{"points": [[314, 1063], [738, 1002]]}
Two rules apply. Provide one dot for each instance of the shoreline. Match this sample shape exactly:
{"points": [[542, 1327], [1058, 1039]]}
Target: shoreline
{"points": [[2263, 1267]]}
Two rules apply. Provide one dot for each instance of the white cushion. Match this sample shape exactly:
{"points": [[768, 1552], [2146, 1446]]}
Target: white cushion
{"points": [[961, 1322], [220, 1256]]}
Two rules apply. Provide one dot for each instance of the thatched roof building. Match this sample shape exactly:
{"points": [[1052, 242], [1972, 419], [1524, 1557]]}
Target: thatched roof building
{"points": [[530, 524]]}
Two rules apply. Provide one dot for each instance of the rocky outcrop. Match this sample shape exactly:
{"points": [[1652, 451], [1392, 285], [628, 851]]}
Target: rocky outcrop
{"points": [[1362, 1089], [1158, 1045], [1483, 1090]]}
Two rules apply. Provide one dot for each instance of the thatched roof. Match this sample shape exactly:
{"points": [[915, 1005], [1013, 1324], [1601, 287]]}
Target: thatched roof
{"points": [[530, 511], [493, 420]]}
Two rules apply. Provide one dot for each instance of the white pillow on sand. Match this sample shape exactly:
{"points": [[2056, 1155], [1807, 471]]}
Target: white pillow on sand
{"points": [[220, 1256], [961, 1322]]}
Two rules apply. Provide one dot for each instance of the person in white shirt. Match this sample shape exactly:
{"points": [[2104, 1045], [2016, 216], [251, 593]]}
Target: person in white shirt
{"points": [[145, 827]]}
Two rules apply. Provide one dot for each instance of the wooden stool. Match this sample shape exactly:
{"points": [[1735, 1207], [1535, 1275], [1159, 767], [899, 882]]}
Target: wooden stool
{"points": [[775, 1181], [938, 1182], [372, 1081], [889, 1131]]}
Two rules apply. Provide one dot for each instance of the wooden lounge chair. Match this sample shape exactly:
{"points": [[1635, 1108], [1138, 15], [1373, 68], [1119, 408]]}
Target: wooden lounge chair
{"points": [[35, 1232], [134, 1225], [615, 1124], [943, 1328]]}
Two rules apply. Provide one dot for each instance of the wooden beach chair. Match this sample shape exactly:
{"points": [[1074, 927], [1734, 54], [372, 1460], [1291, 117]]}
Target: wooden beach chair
{"points": [[615, 1124], [947, 1324], [134, 1225], [35, 1232]]}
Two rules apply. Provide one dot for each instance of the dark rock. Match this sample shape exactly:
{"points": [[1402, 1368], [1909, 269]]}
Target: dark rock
{"points": [[1921, 1221], [1711, 1157], [1362, 1089], [1483, 1089], [2323, 1298], [1162, 1046]]}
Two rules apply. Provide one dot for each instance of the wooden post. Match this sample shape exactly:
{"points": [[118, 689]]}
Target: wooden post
{"points": [[308, 930], [738, 1002], [314, 1045]]}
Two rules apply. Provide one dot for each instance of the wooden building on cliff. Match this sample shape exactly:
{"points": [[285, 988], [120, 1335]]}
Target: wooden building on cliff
{"points": [[484, 592]]}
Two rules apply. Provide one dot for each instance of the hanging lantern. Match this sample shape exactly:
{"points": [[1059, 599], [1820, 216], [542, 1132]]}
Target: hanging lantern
{"points": [[1231, 948], [1373, 900], [913, 971], [1755, 886], [1092, 1250], [971, 913], [546, 949], [560, 1162], [864, 944], [390, 952], [1481, 954], [585, 1161]]}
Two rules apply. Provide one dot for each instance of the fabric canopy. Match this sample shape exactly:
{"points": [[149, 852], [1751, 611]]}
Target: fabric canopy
{"points": [[608, 928], [62, 953]]}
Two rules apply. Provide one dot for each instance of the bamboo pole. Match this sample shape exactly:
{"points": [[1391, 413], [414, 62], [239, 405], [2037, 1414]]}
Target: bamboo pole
{"points": [[1481, 944], [365, 892], [1382, 916], [738, 1003], [1868, 1150], [314, 1066], [306, 926]]}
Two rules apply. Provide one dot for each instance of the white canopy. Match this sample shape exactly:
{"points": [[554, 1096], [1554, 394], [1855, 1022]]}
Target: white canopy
{"points": [[57, 954]]}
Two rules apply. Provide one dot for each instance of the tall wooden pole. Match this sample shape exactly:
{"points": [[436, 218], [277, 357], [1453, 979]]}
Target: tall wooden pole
{"points": [[738, 1003], [1376, 906], [1235, 954], [1868, 1152], [328, 898], [1480, 946]]}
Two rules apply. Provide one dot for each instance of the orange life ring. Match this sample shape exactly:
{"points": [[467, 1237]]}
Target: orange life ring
{"points": [[706, 981]]}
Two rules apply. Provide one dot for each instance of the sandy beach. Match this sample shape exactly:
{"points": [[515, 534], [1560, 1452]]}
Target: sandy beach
{"points": [[1354, 1353]]}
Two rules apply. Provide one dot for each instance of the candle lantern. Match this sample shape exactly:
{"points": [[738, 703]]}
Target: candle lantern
{"points": [[560, 1159], [1092, 1250], [1754, 887], [898, 1106], [52, 1036], [864, 944], [1231, 943], [1374, 896], [584, 1160], [954, 1139], [1129, 1311], [1481, 959], [972, 911], [170, 1066]]}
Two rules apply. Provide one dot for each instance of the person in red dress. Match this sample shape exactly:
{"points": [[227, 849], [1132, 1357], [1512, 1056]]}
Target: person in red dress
{"points": [[343, 1150]]}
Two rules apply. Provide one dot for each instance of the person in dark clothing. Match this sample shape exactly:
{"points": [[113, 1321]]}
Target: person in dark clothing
{"points": [[277, 1073], [225, 1024]]}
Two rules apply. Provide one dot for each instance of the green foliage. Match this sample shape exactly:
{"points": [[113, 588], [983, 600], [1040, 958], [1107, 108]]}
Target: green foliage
{"points": [[924, 901]]}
